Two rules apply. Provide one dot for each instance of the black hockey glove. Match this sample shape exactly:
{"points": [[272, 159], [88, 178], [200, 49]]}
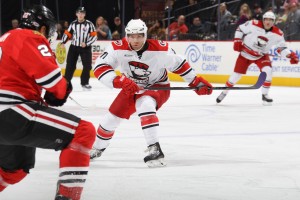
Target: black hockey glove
{"points": [[53, 101]]}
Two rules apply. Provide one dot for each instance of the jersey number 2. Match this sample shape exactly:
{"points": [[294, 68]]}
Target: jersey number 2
{"points": [[44, 50]]}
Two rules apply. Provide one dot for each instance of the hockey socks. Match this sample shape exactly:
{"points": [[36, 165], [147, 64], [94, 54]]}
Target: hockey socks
{"points": [[10, 177], [74, 162]]}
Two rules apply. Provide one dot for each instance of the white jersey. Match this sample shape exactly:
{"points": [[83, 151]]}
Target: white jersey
{"points": [[145, 69], [257, 41]]}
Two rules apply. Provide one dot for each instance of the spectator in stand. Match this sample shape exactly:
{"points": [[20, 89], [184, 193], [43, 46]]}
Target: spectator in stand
{"points": [[292, 25], [244, 15], [177, 28], [65, 25], [102, 29], [257, 12], [109, 37], [225, 22], [226, 16], [157, 31], [117, 29], [59, 31], [14, 24], [196, 26], [282, 17]]}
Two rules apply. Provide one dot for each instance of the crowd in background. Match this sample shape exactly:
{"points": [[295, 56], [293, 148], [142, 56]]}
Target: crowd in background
{"points": [[193, 27]]}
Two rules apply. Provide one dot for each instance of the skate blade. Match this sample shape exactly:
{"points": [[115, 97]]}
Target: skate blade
{"points": [[265, 103], [156, 163]]}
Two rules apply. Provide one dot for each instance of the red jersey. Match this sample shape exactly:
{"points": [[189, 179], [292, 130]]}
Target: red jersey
{"points": [[27, 64]]}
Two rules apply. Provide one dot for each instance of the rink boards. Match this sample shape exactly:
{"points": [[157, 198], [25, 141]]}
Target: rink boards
{"points": [[212, 59]]}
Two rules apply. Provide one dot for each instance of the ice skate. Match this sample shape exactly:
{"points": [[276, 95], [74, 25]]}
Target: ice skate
{"points": [[96, 153], [221, 97], [86, 87], [155, 156], [60, 197], [267, 101]]}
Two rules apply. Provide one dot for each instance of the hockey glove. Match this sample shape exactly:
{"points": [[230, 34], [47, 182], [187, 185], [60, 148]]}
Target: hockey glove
{"points": [[293, 58], [53, 101], [237, 44], [126, 84], [204, 87]]}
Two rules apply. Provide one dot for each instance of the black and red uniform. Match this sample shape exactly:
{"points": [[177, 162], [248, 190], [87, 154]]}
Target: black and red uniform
{"points": [[27, 65]]}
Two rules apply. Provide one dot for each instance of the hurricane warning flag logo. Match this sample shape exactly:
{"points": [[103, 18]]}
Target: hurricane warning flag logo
{"points": [[139, 70]]}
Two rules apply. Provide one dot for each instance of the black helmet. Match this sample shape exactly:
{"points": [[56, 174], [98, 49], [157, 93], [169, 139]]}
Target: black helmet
{"points": [[81, 9], [38, 16]]}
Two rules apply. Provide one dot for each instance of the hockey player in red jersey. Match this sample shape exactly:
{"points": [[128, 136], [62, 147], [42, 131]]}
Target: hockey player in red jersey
{"points": [[143, 63], [27, 65], [253, 40]]}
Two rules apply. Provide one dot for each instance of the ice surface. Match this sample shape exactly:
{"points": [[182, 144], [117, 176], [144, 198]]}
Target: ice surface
{"points": [[238, 150]]}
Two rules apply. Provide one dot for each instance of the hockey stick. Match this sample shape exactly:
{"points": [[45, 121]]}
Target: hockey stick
{"points": [[81, 106], [261, 79]]}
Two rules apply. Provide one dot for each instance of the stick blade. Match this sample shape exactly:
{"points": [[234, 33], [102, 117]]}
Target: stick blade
{"points": [[261, 79]]}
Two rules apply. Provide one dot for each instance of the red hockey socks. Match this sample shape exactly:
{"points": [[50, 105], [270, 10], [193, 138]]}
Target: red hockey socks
{"points": [[74, 161], [10, 177]]}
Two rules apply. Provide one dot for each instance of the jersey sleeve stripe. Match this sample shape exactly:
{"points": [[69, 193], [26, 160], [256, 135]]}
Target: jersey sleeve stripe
{"points": [[179, 66], [183, 70], [164, 77], [186, 72], [102, 70], [50, 79]]}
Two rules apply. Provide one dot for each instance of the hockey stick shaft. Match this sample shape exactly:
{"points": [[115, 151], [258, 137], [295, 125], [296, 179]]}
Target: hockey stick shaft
{"points": [[261, 79], [81, 106]]}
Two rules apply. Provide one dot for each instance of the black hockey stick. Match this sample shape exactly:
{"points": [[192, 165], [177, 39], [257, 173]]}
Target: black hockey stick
{"points": [[81, 106], [260, 81]]}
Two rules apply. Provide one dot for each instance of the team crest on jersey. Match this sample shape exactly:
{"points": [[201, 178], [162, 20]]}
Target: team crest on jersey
{"points": [[118, 43], [84, 28], [262, 41], [139, 71], [162, 43]]}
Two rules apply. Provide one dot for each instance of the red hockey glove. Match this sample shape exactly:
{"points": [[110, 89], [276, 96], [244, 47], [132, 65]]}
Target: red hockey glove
{"points": [[205, 88], [293, 58], [53, 101], [129, 87], [237, 44]]}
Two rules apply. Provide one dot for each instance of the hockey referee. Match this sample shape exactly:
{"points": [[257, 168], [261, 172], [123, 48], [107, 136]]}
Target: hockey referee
{"points": [[83, 35]]}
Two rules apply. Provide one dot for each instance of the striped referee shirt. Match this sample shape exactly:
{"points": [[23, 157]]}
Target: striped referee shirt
{"points": [[80, 32]]}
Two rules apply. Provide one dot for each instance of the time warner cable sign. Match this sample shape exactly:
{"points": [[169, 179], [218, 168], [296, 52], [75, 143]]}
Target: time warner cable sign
{"points": [[206, 53]]}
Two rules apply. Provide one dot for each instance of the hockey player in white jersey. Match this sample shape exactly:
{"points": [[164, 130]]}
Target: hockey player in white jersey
{"points": [[143, 63], [253, 40]]}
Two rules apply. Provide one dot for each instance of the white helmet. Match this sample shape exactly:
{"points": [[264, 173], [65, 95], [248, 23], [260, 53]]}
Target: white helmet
{"points": [[269, 15], [136, 26]]}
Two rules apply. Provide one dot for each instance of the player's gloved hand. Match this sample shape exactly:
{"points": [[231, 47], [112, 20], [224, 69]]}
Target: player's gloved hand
{"points": [[237, 44], [205, 88], [129, 86], [53, 101], [293, 58]]}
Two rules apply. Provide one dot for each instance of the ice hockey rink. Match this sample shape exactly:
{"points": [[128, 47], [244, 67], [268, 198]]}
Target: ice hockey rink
{"points": [[238, 150]]}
